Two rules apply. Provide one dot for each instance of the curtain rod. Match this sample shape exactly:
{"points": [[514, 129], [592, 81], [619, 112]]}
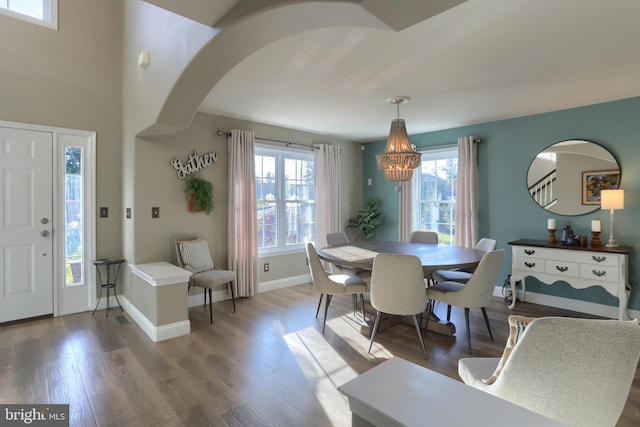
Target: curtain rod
{"points": [[313, 147]]}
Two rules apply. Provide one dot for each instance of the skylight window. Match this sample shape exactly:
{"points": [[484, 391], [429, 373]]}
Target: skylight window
{"points": [[41, 12]]}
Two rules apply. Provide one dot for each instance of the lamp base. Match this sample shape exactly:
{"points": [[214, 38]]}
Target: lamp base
{"points": [[611, 245]]}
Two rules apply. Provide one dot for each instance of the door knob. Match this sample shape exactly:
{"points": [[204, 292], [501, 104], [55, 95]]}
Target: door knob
{"points": [[44, 220], [44, 233]]}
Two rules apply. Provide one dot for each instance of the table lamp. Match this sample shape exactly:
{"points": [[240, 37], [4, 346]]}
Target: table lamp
{"points": [[612, 199]]}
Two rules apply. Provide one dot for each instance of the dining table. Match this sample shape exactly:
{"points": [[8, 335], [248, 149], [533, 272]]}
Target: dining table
{"points": [[433, 257]]}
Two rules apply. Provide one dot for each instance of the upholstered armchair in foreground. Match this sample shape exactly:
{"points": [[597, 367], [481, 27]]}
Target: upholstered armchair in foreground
{"points": [[576, 371]]}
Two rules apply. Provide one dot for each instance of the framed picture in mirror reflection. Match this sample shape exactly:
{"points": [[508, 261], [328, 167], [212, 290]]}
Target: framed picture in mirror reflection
{"points": [[593, 182]]}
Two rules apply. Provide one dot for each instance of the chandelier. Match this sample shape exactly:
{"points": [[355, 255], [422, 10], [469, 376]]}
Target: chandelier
{"points": [[399, 159]]}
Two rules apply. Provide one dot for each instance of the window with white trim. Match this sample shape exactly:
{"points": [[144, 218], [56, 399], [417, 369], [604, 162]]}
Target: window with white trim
{"points": [[74, 226], [285, 198], [436, 204], [41, 12]]}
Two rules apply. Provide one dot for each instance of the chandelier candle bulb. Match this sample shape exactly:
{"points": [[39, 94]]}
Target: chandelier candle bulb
{"points": [[595, 225]]}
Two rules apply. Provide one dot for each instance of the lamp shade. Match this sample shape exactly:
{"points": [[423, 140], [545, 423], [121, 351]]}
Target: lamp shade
{"points": [[398, 160], [612, 199]]}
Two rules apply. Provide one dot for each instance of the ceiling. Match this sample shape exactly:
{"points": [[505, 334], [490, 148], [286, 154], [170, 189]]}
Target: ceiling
{"points": [[480, 61]]}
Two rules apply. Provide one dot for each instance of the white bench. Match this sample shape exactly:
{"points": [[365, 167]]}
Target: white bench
{"points": [[401, 393]]}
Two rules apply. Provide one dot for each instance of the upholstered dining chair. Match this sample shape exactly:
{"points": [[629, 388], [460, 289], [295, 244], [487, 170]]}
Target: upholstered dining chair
{"points": [[397, 287], [337, 238], [476, 293], [575, 371], [194, 255], [463, 276], [423, 237], [333, 284], [340, 238]]}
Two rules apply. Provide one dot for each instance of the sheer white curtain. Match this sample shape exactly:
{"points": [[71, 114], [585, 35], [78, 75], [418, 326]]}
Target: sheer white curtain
{"points": [[408, 220], [327, 192], [467, 197], [243, 229]]}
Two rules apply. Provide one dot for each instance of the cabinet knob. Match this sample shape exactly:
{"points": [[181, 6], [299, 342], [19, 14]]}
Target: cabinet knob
{"points": [[598, 258], [529, 251], [599, 273], [562, 268]]}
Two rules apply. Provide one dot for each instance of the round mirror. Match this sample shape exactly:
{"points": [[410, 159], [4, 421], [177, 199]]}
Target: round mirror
{"points": [[566, 178]]}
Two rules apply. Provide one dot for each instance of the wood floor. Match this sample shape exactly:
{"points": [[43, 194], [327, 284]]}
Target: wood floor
{"points": [[266, 365]]}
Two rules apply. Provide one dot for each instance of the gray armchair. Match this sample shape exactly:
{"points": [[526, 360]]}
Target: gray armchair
{"points": [[576, 371], [194, 255]]}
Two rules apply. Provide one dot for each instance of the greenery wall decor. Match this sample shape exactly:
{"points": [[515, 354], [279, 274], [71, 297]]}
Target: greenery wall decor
{"points": [[200, 194], [366, 220]]}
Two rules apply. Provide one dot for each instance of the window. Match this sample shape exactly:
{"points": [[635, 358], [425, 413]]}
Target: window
{"points": [[436, 205], [41, 12], [73, 223], [285, 199]]}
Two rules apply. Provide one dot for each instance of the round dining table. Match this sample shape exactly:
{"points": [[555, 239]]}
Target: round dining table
{"points": [[433, 256]]}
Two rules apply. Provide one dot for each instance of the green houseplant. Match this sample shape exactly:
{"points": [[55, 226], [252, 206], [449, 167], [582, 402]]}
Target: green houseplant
{"points": [[366, 220], [200, 194]]}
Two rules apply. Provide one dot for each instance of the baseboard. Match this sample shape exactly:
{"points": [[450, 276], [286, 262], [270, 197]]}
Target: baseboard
{"points": [[156, 333], [570, 304], [286, 282], [224, 295]]}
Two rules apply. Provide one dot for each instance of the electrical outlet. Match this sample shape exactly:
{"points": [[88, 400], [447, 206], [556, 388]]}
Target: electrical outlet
{"points": [[155, 212], [104, 212], [128, 213], [307, 260], [266, 266]]}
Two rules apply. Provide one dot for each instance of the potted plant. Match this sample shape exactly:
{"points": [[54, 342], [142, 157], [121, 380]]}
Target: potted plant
{"points": [[200, 194], [366, 220]]}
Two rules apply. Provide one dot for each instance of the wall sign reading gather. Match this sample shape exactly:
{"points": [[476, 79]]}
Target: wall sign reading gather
{"points": [[194, 164]]}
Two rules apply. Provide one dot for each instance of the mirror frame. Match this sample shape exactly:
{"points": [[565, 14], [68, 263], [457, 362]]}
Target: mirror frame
{"points": [[596, 163]]}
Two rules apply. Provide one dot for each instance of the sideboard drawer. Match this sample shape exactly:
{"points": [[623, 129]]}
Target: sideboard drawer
{"points": [[599, 273], [599, 258], [530, 264], [562, 268], [588, 257]]}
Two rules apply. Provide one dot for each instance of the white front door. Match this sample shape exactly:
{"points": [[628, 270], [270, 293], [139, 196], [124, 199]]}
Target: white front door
{"points": [[26, 248]]}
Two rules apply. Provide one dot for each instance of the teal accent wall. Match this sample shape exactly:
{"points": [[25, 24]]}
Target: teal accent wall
{"points": [[506, 211]]}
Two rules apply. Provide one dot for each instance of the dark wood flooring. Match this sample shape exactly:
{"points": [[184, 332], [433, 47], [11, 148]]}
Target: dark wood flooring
{"points": [[266, 365]]}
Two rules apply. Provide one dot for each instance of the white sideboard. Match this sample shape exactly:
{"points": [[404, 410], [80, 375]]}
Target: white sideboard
{"points": [[580, 267]]}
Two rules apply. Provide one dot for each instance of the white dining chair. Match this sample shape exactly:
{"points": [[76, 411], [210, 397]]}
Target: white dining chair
{"points": [[476, 293], [333, 284], [463, 276], [423, 237], [397, 288]]}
